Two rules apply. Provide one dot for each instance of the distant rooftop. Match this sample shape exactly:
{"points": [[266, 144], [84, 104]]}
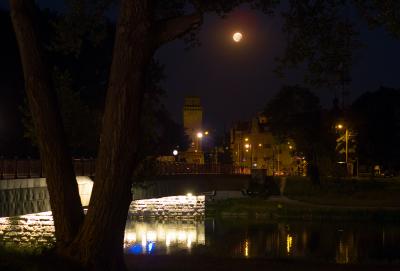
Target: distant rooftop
{"points": [[192, 101]]}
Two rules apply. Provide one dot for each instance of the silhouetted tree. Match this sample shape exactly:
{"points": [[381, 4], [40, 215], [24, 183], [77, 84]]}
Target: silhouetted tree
{"points": [[295, 113], [96, 240], [376, 117]]}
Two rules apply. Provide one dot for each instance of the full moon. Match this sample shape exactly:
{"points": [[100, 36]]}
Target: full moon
{"points": [[237, 37]]}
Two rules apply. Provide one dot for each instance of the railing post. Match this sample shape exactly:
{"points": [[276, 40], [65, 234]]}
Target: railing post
{"points": [[29, 167], [83, 166], [92, 167], [2, 168], [41, 169], [16, 168]]}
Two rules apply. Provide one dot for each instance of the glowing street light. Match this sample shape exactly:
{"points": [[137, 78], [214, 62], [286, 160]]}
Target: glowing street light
{"points": [[175, 152], [247, 146], [199, 135], [346, 139]]}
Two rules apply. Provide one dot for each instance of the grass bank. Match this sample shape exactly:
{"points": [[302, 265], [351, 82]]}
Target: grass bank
{"points": [[31, 259], [266, 209], [333, 199], [345, 192]]}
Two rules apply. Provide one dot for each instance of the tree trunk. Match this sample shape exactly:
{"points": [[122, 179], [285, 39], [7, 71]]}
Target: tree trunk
{"points": [[99, 244], [57, 163]]}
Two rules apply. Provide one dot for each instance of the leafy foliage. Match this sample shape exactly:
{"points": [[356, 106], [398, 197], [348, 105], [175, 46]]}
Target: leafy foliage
{"points": [[376, 116], [319, 35], [80, 78], [381, 13], [160, 134], [295, 114], [80, 122]]}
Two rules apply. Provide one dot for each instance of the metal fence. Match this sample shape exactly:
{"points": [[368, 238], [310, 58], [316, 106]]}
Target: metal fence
{"points": [[21, 169]]}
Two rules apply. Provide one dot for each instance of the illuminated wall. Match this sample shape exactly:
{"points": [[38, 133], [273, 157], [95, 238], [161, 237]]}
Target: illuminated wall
{"points": [[27, 196], [176, 206], [38, 229], [27, 230]]}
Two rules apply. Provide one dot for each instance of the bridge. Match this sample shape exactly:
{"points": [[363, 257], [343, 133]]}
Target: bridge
{"points": [[23, 187], [22, 169]]}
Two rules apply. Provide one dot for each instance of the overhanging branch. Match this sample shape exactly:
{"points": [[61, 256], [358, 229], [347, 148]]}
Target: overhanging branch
{"points": [[176, 27]]}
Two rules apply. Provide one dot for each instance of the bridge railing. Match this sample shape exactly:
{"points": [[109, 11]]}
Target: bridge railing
{"points": [[19, 169], [183, 168]]}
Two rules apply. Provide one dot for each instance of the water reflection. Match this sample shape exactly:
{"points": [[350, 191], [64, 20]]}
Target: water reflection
{"points": [[161, 236], [334, 242], [289, 243], [246, 248]]}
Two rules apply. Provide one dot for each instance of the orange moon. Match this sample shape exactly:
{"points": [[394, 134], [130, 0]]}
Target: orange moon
{"points": [[237, 37]]}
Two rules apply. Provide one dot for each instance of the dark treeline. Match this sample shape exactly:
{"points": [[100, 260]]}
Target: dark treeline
{"points": [[80, 78], [372, 122]]}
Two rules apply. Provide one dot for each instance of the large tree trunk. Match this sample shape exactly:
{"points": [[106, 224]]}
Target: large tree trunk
{"points": [[99, 244], [60, 176]]}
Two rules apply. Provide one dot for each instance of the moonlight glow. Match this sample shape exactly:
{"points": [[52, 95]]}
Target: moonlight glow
{"points": [[237, 37]]}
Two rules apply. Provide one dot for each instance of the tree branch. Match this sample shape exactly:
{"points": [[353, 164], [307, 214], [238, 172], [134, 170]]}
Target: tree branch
{"points": [[176, 27]]}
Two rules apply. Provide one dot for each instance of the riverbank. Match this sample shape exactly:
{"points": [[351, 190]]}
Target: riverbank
{"points": [[377, 193], [17, 261], [201, 263], [332, 199], [283, 208]]}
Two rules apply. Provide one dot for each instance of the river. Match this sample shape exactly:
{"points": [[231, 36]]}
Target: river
{"points": [[339, 242]]}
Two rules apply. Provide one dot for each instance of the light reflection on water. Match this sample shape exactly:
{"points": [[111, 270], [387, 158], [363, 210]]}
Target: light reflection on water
{"points": [[334, 241], [163, 237]]}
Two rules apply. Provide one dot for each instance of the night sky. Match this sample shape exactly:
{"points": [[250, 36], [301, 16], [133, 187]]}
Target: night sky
{"points": [[236, 80]]}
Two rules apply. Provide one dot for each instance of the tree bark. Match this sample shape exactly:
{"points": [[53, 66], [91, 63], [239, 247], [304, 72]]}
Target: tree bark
{"points": [[60, 177], [99, 244]]}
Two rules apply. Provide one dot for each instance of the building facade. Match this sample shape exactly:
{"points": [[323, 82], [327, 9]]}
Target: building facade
{"points": [[254, 146]]}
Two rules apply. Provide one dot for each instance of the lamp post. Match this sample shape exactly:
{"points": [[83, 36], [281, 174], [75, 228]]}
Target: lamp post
{"points": [[199, 136], [346, 148]]}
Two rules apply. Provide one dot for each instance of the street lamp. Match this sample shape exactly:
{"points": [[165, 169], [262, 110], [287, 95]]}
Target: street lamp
{"points": [[346, 139], [175, 152]]}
